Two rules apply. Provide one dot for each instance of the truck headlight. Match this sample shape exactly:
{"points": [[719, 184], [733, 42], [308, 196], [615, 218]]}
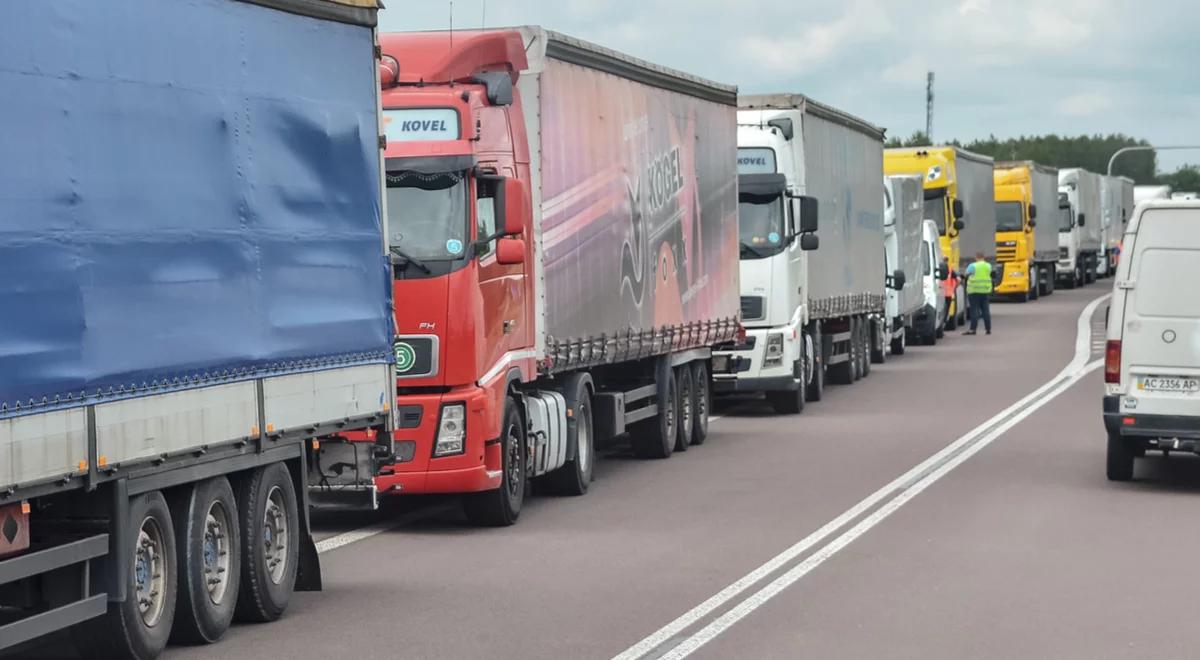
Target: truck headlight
{"points": [[774, 351], [452, 430]]}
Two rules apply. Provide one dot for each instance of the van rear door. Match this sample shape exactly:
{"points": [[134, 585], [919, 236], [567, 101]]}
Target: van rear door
{"points": [[1160, 347]]}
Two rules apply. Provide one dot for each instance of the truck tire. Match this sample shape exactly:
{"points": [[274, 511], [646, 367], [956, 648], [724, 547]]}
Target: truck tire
{"points": [[687, 398], [1120, 458], [1051, 280], [139, 627], [703, 402], [791, 402], [855, 350], [900, 344], [1089, 273], [867, 328], [575, 477], [879, 342], [1035, 281], [842, 373], [655, 437], [208, 540], [270, 532], [501, 507], [815, 390]]}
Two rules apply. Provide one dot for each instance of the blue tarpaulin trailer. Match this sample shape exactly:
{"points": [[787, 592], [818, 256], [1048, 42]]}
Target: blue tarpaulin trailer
{"points": [[193, 286]]}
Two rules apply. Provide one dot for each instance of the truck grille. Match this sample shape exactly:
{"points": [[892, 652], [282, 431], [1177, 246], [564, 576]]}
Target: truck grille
{"points": [[1006, 251], [752, 308]]}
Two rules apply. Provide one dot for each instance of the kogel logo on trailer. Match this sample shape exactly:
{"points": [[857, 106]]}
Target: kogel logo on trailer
{"points": [[756, 160], [421, 124]]}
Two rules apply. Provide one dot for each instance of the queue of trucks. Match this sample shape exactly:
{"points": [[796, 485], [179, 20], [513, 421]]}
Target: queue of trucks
{"points": [[422, 264]]}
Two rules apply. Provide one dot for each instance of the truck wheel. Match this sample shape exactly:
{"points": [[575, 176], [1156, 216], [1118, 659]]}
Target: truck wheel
{"points": [[574, 477], [820, 351], [655, 438], [855, 351], [501, 507], [879, 342], [1120, 458], [208, 540], [842, 373], [687, 398], [270, 532], [1034, 283], [1051, 280], [703, 401], [864, 347], [900, 344], [140, 626]]}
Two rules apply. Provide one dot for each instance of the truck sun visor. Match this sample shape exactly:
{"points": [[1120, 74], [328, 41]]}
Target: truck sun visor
{"points": [[430, 164], [770, 184]]}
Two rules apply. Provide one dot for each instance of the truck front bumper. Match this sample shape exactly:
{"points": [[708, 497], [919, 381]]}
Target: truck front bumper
{"points": [[1015, 279], [738, 368], [417, 471]]}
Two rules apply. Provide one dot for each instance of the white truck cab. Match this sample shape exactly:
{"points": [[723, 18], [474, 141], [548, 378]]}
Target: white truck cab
{"points": [[1152, 357], [928, 324]]}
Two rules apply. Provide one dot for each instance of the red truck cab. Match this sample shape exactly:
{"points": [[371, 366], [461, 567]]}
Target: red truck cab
{"points": [[457, 172]]}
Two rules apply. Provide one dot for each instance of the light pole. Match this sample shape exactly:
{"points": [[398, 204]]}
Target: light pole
{"points": [[1142, 148]]}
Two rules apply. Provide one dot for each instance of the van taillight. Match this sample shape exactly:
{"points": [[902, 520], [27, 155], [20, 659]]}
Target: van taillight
{"points": [[1112, 361]]}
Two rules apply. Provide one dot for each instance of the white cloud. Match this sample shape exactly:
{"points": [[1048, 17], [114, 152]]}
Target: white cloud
{"points": [[1084, 104], [818, 44]]}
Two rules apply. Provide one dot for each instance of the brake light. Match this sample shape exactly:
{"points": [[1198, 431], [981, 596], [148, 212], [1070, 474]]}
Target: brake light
{"points": [[1112, 361]]}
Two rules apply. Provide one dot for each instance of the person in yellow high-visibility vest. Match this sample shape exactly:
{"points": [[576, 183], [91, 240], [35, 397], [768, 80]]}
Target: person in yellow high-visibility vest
{"points": [[979, 290]]}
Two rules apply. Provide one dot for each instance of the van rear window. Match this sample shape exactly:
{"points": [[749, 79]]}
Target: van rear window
{"points": [[1160, 279]]}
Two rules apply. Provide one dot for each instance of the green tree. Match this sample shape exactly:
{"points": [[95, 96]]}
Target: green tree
{"points": [[917, 139], [1090, 152], [1184, 179]]}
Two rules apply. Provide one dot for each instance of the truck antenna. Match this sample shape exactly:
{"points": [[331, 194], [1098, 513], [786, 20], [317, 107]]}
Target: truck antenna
{"points": [[451, 24]]}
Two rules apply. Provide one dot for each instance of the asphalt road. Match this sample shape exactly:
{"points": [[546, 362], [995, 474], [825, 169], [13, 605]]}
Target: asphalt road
{"points": [[1008, 543]]}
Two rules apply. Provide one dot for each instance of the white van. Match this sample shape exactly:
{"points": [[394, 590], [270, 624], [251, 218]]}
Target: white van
{"points": [[1152, 359], [929, 322]]}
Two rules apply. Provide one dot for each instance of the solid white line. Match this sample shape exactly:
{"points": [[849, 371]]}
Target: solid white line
{"points": [[674, 628], [776, 586], [364, 533]]}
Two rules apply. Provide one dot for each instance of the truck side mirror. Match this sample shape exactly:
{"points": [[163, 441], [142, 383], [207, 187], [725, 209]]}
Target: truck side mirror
{"points": [[959, 225], [1032, 213], [1032, 224], [1080, 220], [809, 242], [514, 204], [959, 210], [809, 212], [510, 251], [899, 279]]}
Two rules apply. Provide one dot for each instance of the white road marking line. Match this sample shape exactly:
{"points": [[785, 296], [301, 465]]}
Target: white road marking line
{"points": [[688, 619], [364, 533], [776, 586]]}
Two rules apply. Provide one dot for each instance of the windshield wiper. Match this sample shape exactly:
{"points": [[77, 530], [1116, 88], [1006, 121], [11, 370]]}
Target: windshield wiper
{"points": [[406, 259], [753, 251]]}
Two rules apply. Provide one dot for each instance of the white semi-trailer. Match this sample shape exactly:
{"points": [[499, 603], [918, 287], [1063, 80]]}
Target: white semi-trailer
{"points": [[903, 218], [1080, 239], [808, 311]]}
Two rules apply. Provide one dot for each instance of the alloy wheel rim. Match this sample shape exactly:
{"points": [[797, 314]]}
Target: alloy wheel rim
{"points": [[150, 572], [215, 552], [275, 535]]}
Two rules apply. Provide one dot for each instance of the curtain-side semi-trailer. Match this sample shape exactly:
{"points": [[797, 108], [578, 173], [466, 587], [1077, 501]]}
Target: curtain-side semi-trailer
{"points": [[1116, 198], [1025, 244], [960, 198], [566, 218], [808, 311], [903, 218], [1079, 226], [196, 300]]}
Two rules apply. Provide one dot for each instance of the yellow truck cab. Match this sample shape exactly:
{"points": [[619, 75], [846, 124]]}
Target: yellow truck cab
{"points": [[1029, 251], [958, 199]]}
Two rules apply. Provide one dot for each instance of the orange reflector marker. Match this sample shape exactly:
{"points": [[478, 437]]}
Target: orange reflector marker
{"points": [[82, 466], [101, 460], [1129, 421], [254, 430], [270, 428], [316, 444], [25, 508]]}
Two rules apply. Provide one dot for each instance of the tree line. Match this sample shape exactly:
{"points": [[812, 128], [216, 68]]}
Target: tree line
{"points": [[1090, 152]]}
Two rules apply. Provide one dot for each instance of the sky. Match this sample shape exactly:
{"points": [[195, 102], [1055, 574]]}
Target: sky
{"points": [[1002, 67]]}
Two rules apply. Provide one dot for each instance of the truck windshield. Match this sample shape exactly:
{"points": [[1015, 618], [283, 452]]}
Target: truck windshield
{"points": [[935, 209], [1065, 219], [1008, 216], [427, 215], [760, 225]]}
